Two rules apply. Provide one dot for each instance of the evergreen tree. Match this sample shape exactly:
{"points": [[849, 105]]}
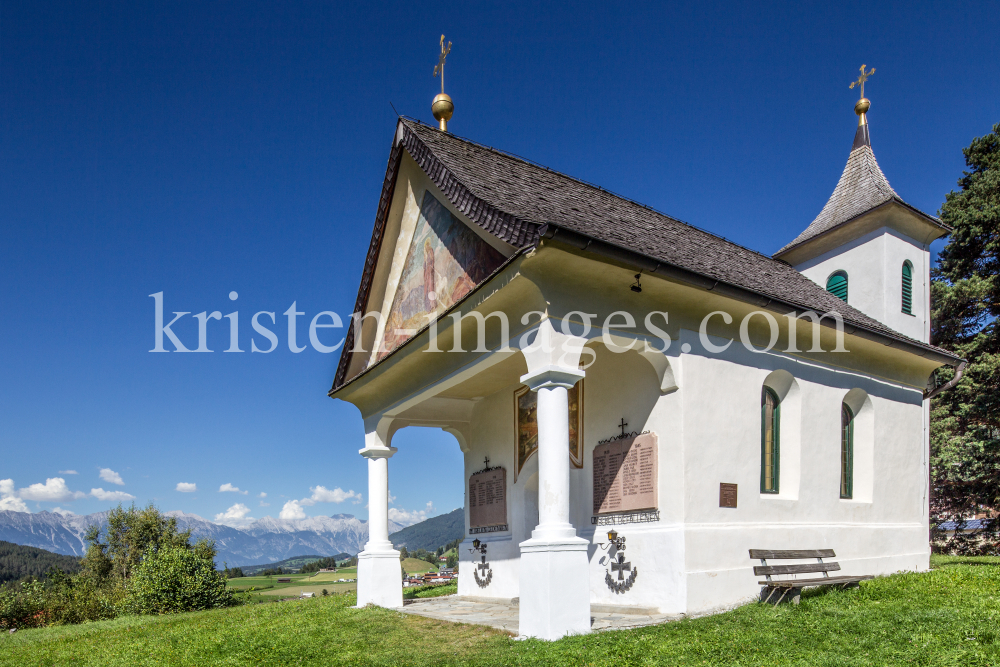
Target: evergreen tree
{"points": [[965, 421]]}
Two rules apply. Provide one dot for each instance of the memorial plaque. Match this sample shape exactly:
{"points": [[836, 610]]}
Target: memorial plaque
{"points": [[727, 495], [488, 498], [625, 474]]}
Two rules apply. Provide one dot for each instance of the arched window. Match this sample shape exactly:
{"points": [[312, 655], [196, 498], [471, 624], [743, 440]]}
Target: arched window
{"points": [[907, 287], [770, 422], [837, 285], [846, 452]]}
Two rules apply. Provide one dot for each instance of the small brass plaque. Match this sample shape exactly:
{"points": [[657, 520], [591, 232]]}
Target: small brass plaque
{"points": [[727, 495]]}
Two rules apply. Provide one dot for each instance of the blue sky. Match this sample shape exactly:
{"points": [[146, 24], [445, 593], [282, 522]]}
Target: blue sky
{"points": [[197, 149]]}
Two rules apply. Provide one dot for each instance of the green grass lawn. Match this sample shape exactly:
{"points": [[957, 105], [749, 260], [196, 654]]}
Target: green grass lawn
{"points": [[949, 616], [417, 566]]}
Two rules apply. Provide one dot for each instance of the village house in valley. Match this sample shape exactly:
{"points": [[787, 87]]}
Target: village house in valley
{"points": [[603, 366]]}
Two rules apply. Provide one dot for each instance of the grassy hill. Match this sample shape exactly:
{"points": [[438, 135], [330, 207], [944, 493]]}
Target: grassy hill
{"points": [[432, 533], [289, 563], [18, 561], [943, 617]]}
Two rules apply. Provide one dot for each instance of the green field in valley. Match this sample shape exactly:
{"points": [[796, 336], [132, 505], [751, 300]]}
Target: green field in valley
{"points": [[417, 566], [949, 616], [269, 586]]}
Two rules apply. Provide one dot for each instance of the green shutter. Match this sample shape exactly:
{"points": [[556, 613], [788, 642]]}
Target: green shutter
{"points": [[907, 288], [846, 452], [837, 285], [770, 429]]}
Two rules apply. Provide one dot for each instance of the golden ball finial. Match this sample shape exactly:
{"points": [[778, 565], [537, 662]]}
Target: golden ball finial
{"points": [[861, 107], [442, 107]]}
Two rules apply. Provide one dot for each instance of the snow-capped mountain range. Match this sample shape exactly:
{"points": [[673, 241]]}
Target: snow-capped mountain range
{"points": [[265, 540]]}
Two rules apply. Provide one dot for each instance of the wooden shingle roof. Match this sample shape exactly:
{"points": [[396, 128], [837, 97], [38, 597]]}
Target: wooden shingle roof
{"points": [[521, 202]]}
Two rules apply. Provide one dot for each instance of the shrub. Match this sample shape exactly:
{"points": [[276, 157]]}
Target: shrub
{"points": [[24, 605], [175, 579]]}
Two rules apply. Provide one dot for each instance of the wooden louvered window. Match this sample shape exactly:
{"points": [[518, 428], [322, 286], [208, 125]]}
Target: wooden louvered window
{"points": [[907, 288], [837, 285], [770, 426], [846, 452]]}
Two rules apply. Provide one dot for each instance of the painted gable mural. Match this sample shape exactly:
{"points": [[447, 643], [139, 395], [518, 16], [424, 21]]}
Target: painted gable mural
{"points": [[445, 262]]}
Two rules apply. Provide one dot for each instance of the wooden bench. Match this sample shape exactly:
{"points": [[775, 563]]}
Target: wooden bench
{"points": [[785, 590]]}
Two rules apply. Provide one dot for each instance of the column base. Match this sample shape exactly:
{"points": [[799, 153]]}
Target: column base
{"points": [[380, 579], [555, 588]]}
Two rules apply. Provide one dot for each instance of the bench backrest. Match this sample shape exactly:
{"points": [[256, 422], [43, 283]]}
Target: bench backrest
{"points": [[768, 554]]}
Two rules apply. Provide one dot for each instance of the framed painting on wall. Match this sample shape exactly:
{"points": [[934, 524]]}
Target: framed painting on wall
{"points": [[526, 427]]}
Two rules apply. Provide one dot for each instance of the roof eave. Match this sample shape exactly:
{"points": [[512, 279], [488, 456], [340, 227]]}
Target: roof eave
{"points": [[688, 277], [929, 219]]}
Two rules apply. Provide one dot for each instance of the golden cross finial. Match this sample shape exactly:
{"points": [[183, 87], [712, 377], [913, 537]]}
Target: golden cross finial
{"points": [[860, 82], [440, 66]]}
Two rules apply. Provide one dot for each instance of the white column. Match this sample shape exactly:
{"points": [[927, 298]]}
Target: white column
{"points": [[555, 583], [379, 573]]}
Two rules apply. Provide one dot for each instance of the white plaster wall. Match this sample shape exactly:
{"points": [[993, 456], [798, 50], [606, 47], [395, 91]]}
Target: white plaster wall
{"points": [[695, 559], [880, 530], [874, 265]]}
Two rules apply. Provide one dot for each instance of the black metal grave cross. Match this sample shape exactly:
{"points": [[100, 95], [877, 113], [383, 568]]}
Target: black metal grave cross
{"points": [[623, 425], [621, 566], [486, 462], [483, 567]]}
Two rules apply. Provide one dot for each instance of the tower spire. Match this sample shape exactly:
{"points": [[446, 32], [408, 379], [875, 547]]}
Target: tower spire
{"points": [[442, 107]]}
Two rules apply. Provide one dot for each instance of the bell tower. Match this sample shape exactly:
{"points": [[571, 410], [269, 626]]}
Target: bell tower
{"points": [[868, 246]]}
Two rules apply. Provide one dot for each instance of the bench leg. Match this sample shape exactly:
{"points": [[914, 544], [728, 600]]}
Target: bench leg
{"points": [[775, 595]]}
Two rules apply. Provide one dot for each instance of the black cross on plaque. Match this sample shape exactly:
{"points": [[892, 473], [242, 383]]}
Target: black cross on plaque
{"points": [[483, 567], [623, 425], [620, 567]]}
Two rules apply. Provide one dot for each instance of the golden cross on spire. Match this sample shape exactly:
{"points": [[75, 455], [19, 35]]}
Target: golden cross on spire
{"points": [[860, 82], [440, 66]]}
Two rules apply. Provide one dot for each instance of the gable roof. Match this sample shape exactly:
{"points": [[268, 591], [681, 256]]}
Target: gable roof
{"points": [[521, 202], [862, 188]]}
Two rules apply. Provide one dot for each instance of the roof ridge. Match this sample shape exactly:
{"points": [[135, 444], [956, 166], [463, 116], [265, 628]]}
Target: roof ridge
{"points": [[532, 163]]}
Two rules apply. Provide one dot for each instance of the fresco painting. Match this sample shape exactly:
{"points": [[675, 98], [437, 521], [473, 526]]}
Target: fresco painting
{"points": [[526, 408], [446, 260]]}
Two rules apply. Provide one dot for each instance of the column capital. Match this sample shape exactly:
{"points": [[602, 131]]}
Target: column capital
{"points": [[377, 452], [552, 376]]}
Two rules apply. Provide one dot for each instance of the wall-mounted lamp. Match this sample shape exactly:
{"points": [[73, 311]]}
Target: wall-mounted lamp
{"points": [[636, 286], [477, 546], [613, 539]]}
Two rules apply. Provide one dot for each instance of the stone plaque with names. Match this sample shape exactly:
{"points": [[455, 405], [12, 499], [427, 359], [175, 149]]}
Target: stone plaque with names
{"points": [[727, 495], [625, 474], [488, 498]]}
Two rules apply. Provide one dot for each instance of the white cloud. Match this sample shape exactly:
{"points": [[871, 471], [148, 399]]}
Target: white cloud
{"points": [[262, 495], [62, 512], [113, 496], [229, 488], [408, 518], [8, 501], [321, 494], [292, 510], [68, 472], [236, 516], [54, 490], [111, 477], [263, 504], [186, 487], [392, 498]]}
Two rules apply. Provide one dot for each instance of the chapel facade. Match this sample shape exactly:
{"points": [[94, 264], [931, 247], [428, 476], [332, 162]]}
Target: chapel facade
{"points": [[605, 367]]}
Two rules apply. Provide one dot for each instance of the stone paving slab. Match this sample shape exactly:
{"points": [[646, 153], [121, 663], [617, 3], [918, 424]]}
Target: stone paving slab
{"points": [[503, 615]]}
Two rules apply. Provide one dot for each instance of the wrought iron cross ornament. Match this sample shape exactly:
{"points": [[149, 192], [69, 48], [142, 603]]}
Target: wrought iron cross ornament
{"points": [[483, 566], [440, 66], [623, 425], [860, 82], [621, 566]]}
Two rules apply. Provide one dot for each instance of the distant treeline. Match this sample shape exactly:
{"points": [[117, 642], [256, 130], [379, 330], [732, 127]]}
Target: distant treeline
{"points": [[19, 562], [321, 564]]}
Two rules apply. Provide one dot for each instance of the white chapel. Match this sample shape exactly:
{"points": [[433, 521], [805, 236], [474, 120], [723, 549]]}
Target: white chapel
{"points": [[606, 368]]}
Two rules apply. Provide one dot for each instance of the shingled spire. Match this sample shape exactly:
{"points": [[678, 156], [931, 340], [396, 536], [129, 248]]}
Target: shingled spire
{"points": [[862, 187]]}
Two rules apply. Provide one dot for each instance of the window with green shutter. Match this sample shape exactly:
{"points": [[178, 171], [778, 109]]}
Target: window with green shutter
{"points": [[770, 427], [907, 288], [837, 285], [846, 452]]}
